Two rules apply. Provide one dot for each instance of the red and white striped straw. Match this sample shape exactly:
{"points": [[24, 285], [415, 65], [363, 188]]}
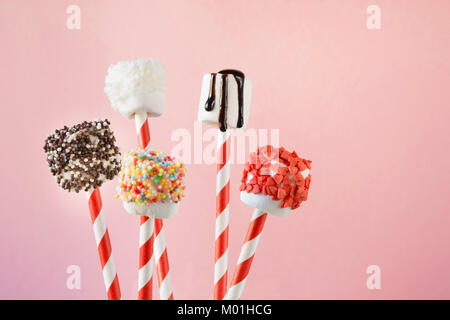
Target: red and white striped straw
{"points": [[103, 244], [162, 263], [159, 243], [145, 278], [146, 228], [222, 215], [246, 256]]}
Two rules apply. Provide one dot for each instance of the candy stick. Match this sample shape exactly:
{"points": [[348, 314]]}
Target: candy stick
{"points": [[103, 244], [222, 215], [246, 256], [162, 261]]}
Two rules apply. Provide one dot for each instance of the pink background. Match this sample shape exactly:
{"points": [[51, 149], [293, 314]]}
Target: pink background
{"points": [[370, 108]]}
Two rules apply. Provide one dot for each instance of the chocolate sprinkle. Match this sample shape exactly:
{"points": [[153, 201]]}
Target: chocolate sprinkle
{"points": [[84, 156]]}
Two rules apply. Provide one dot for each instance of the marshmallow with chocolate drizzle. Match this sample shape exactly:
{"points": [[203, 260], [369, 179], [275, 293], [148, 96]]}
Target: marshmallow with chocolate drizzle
{"points": [[225, 99]]}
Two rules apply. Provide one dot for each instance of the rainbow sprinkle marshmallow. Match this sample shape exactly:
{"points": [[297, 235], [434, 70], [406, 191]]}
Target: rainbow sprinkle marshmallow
{"points": [[151, 177]]}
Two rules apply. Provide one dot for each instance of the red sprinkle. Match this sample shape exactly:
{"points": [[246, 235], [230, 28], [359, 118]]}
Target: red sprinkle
{"points": [[287, 184]]}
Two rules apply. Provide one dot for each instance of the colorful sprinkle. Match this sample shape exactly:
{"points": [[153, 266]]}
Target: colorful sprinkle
{"points": [[149, 177]]}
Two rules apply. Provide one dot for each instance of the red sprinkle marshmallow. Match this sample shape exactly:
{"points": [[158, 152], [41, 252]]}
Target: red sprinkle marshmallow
{"points": [[283, 182]]}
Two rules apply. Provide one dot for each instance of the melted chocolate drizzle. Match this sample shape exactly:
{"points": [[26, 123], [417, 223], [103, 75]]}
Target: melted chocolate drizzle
{"points": [[209, 106], [223, 104], [210, 102]]}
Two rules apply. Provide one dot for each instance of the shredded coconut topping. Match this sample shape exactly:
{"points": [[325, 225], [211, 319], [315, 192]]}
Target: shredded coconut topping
{"points": [[126, 79]]}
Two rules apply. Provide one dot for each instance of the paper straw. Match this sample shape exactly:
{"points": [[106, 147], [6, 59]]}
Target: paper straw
{"points": [[162, 263], [145, 278], [159, 243], [246, 256], [222, 215], [103, 244]]}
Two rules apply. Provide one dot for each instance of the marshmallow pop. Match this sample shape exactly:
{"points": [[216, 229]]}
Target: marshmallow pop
{"points": [[152, 184], [82, 158], [224, 103], [275, 181], [137, 90]]}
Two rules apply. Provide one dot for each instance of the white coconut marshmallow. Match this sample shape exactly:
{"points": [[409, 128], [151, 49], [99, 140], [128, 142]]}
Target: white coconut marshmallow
{"points": [[275, 181], [225, 99], [137, 86]]}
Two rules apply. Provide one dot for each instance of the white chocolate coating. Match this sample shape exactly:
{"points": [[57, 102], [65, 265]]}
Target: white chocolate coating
{"points": [[155, 210], [265, 203]]}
